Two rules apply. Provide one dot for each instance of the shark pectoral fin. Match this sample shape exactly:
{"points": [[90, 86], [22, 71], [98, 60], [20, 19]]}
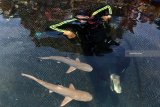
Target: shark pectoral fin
{"points": [[71, 86], [66, 101], [77, 59], [71, 69], [50, 91]]}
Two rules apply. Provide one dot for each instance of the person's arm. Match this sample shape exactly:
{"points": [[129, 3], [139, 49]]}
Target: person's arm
{"points": [[69, 34], [105, 17], [102, 9]]}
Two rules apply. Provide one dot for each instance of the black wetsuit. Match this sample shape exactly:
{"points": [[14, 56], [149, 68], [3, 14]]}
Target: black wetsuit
{"points": [[91, 35]]}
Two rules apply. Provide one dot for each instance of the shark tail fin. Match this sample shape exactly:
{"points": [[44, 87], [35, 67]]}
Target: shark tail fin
{"points": [[29, 76], [71, 69], [66, 101]]}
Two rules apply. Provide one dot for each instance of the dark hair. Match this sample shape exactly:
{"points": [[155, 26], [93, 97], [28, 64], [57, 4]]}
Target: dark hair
{"points": [[82, 12]]}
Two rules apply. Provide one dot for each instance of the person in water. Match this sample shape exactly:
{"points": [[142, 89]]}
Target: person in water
{"points": [[89, 29]]}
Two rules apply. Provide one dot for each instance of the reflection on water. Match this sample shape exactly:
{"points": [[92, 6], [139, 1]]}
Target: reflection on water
{"points": [[25, 36]]}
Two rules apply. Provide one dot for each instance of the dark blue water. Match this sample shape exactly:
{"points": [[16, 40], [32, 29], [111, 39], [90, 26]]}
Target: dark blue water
{"points": [[18, 54]]}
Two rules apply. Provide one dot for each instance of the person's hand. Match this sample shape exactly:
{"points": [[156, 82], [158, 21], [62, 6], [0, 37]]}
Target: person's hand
{"points": [[69, 34], [106, 18]]}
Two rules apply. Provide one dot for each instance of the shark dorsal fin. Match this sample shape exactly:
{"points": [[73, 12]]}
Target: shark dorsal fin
{"points": [[66, 101], [60, 85], [71, 86], [77, 59], [71, 69], [68, 57]]}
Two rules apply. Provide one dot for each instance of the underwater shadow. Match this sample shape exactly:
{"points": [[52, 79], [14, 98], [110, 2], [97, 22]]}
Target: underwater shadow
{"points": [[104, 66]]}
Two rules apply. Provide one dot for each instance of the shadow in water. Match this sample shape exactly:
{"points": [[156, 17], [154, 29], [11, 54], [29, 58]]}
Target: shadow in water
{"points": [[113, 63], [61, 43]]}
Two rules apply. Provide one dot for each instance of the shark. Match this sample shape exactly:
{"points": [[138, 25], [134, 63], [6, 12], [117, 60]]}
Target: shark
{"points": [[74, 64], [69, 93]]}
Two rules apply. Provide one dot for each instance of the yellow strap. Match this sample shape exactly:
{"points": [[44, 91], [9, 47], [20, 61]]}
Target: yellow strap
{"points": [[101, 9], [54, 27]]}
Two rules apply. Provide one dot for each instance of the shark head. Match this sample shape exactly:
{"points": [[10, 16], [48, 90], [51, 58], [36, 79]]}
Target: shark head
{"points": [[87, 97], [87, 68]]}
